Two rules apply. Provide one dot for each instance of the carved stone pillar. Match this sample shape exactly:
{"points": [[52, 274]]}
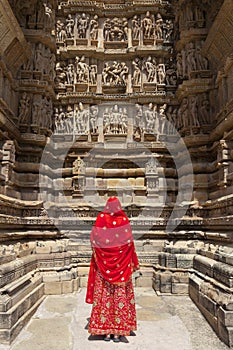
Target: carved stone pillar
{"points": [[79, 178], [152, 181]]}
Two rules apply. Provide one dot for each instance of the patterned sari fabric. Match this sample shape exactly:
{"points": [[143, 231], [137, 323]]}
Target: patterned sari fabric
{"points": [[114, 259], [113, 310]]}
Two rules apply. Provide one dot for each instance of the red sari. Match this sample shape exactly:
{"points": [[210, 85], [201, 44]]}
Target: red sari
{"points": [[114, 259]]}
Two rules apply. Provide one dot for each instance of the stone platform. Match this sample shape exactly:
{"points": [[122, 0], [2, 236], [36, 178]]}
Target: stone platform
{"points": [[164, 323]]}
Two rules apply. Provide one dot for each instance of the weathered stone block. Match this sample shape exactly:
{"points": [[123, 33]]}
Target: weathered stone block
{"points": [[226, 317], [165, 282], [76, 284], [66, 276], [223, 273], [184, 261], [171, 260], [53, 288], [83, 270], [67, 287], [180, 288], [180, 278], [225, 333], [144, 282], [83, 281], [55, 277], [204, 265], [208, 304]]}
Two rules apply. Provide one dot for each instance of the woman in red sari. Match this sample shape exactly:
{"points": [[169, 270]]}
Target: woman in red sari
{"points": [[110, 287]]}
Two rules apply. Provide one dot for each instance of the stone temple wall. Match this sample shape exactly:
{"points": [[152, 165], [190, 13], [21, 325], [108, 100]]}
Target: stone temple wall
{"points": [[126, 98]]}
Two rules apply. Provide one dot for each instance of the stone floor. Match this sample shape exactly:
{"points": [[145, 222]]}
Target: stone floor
{"points": [[164, 323]]}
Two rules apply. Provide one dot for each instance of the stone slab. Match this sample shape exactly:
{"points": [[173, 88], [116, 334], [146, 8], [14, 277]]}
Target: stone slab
{"points": [[164, 323]]}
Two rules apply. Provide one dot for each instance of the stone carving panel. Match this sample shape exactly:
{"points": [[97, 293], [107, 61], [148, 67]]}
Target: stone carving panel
{"points": [[115, 120], [190, 61], [115, 74]]}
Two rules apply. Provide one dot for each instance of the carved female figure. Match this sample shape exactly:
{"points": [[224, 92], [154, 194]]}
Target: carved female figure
{"points": [[135, 27], [159, 26], [194, 112], [151, 70], [93, 74], [70, 26], [24, 108], [136, 79], [161, 73], [94, 25]]}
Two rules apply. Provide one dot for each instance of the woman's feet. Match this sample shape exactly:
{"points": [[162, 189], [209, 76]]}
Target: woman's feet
{"points": [[116, 338], [107, 337]]}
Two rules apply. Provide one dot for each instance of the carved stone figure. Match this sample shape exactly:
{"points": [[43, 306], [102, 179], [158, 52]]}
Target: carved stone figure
{"points": [[184, 63], [93, 74], [161, 71], [94, 25], [24, 109], [148, 26], [93, 119], [202, 62], [56, 121], [171, 120], [107, 28], [39, 62], [171, 75], [139, 125], [49, 17], [82, 70], [46, 120], [136, 27], [191, 57], [70, 26], [179, 65], [81, 116], [151, 69], [36, 109], [168, 30], [124, 70], [69, 121], [60, 74], [60, 121], [61, 33], [162, 119], [79, 166], [82, 25], [150, 118], [159, 27], [51, 67], [205, 111], [137, 75], [115, 74], [123, 121], [70, 73], [116, 29], [29, 65], [106, 121], [193, 111], [183, 114]]}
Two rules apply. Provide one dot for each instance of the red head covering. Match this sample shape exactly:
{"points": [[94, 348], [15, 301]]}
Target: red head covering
{"points": [[114, 254]]}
